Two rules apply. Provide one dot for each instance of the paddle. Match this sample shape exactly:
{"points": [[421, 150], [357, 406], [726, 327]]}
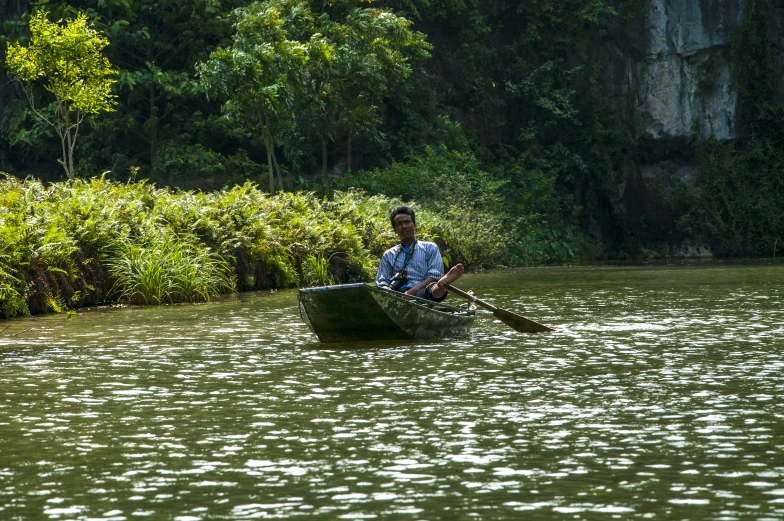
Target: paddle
{"points": [[513, 320]]}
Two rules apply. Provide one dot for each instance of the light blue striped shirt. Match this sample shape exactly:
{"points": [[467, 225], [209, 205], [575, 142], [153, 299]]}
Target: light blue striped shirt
{"points": [[424, 262]]}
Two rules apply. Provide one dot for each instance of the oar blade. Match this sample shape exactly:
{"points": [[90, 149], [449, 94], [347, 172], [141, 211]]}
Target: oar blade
{"points": [[518, 323]]}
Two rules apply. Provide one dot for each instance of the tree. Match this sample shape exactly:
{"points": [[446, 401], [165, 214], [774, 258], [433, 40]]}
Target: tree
{"points": [[317, 101], [162, 117], [352, 65], [374, 48], [258, 74], [163, 123], [67, 57]]}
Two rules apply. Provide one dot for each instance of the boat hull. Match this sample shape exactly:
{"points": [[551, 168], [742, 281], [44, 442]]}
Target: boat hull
{"points": [[359, 312]]}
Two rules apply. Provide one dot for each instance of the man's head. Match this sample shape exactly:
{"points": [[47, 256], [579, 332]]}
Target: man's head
{"points": [[404, 210], [404, 222]]}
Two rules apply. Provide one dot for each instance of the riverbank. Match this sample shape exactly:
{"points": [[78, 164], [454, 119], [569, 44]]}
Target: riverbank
{"points": [[95, 242], [91, 242]]}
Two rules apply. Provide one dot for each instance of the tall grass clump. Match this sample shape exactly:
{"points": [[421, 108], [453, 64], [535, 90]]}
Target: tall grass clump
{"points": [[169, 271], [316, 272]]}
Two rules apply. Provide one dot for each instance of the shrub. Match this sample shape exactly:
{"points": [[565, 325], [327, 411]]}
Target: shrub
{"points": [[474, 237], [436, 179], [315, 272]]}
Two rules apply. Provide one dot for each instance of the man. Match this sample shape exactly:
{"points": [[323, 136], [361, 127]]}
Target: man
{"points": [[414, 267]]}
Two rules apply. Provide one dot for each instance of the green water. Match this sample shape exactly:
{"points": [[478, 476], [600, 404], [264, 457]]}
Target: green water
{"points": [[660, 395]]}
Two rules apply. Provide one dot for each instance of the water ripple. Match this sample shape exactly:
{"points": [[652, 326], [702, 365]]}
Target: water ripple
{"points": [[656, 396]]}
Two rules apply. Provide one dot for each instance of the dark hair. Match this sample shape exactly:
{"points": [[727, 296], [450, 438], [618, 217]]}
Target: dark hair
{"points": [[402, 209]]}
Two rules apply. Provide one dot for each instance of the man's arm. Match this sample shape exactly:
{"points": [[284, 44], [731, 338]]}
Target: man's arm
{"points": [[435, 265], [435, 270]]}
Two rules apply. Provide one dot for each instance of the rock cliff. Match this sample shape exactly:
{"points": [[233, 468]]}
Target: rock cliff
{"points": [[673, 64], [676, 65], [684, 78]]}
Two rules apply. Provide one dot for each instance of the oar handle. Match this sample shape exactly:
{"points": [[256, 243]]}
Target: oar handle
{"points": [[468, 296]]}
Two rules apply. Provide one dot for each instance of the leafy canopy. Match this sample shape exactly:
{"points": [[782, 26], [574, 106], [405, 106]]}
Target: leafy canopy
{"points": [[258, 73], [68, 57]]}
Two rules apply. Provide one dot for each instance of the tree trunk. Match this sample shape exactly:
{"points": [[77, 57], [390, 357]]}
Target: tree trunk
{"points": [[153, 129], [64, 160], [275, 162], [324, 177], [272, 158], [72, 140], [269, 164], [268, 147], [71, 146], [348, 154], [65, 141]]}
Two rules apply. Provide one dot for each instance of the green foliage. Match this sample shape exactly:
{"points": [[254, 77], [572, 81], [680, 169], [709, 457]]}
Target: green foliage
{"points": [[478, 218], [90, 241], [27, 133], [353, 63], [754, 69], [512, 114], [11, 291], [369, 215], [438, 177], [258, 74], [528, 82], [737, 205], [86, 242], [528, 244], [162, 117], [298, 80], [169, 269], [315, 271], [374, 48], [34, 245], [67, 57], [475, 238]]}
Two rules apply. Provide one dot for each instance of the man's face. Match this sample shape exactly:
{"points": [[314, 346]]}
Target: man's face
{"points": [[404, 226]]}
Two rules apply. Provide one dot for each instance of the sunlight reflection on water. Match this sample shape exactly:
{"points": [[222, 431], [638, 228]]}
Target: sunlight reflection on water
{"points": [[657, 395]]}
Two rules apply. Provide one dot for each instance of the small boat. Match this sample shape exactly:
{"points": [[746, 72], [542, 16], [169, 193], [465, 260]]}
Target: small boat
{"points": [[361, 312]]}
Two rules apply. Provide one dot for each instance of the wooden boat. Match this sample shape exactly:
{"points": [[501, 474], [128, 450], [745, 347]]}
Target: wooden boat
{"points": [[360, 312]]}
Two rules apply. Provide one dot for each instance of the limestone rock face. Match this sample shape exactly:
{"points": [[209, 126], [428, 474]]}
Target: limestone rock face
{"points": [[683, 77]]}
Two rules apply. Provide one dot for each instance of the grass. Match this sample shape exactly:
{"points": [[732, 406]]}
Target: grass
{"points": [[167, 271]]}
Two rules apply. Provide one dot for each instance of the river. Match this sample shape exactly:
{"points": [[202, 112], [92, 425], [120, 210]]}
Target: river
{"points": [[659, 395]]}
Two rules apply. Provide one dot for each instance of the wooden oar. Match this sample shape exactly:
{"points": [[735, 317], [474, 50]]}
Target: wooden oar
{"points": [[513, 320]]}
